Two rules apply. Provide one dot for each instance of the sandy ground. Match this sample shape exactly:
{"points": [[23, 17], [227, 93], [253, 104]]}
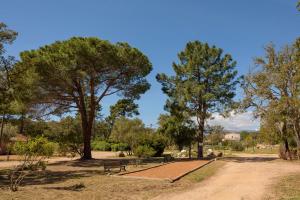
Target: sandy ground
{"points": [[242, 178], [169, 171], [95, 154]]}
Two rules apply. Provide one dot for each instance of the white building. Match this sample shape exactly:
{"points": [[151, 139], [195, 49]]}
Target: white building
{"points": [[232, 136]]}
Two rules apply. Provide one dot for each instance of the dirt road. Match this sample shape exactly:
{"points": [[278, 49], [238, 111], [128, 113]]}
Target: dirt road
{"points": [[243, 178]]}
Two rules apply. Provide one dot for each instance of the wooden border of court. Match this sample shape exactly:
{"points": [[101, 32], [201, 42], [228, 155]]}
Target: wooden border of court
{"points": [[186, 173]]}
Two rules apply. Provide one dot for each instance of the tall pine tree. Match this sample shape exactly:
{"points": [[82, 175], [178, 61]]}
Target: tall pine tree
{"points": [[204, 83]]}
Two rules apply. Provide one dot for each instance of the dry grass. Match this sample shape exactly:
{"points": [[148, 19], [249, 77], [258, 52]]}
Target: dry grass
{"points": [[204, 172], [287, 187], [86, 180]]}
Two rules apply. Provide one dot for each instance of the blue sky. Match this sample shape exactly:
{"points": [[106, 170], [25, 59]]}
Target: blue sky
{"points": [[160, 29]]}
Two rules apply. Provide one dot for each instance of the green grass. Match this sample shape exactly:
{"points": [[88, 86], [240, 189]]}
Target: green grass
{"points": [[287, 187], [262, 151], [204, 172]]}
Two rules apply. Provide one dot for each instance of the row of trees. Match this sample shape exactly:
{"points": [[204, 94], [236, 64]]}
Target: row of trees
{"points": [[74, 76]]}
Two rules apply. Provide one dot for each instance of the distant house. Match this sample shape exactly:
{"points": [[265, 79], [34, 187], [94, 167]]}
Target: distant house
{"points": [[232, 137]]}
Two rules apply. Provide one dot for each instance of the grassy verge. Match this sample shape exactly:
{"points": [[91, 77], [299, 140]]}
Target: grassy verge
{"points": [[287, 187], [204, 172], [82, 180]]}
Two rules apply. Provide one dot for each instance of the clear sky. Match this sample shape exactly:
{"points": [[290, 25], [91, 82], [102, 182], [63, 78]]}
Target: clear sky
{"points": [[160, 29]]}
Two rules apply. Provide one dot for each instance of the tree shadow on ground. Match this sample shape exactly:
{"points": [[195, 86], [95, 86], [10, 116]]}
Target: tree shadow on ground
{"points": [[50, 176], [76, 187], [89, 163], [249, 159], [79, 163]]}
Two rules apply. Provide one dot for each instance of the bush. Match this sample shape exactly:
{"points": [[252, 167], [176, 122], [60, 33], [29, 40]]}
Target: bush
{"points": [[155, 141], [34, 153], [67, 133], [144, 151], [120, 147], [236, 146], [35, 147], [99, 145]]}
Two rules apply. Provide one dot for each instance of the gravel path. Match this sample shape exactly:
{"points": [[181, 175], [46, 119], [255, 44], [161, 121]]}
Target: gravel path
{"points": [[169, 171], [243, 178]]}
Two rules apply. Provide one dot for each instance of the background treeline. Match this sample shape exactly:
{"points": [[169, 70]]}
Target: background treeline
{"points": [[72, 77]]}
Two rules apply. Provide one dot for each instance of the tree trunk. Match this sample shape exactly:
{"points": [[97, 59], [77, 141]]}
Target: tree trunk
{"points": [[200, 143], [201, 121], [87, 126], [190, 150], [287, 149], [297, 136], [200, 150], [87, 114], [87, 135], [87, 151], [1, 132], [22, 123]]}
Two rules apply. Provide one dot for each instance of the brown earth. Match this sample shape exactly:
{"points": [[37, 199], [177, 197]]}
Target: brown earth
{"points": [[169, 171], [14, 162], [246, 177]]}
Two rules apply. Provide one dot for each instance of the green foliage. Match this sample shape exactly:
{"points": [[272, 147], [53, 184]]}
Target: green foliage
{"points": [[123, 107], [144, 151], [250, 140], [156, 141], [204, 83], [101, 145], [39, 146], [86, 71], [7, 36], [33, 152], [36, 128], [102, 129], [273, 91], [128, 131], [215, 135], [134, 133], [236, 146], [67, 133], [178, 129], [120, 147]]}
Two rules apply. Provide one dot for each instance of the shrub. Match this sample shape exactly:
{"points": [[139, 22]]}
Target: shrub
{"points": [[158, 144], [37, 147], [236, 146], [34, 152], [67, 133], [99, 145], [155, 141], [144, 151], [120, 147]]}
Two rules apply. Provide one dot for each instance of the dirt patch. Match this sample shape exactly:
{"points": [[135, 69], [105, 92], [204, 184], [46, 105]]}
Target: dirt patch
{"points": [[169, 171], [244, 178], [85, 180]]}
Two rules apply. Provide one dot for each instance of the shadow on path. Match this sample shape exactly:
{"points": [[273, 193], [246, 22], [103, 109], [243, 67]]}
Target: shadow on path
{"points": [[249, 159]]}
